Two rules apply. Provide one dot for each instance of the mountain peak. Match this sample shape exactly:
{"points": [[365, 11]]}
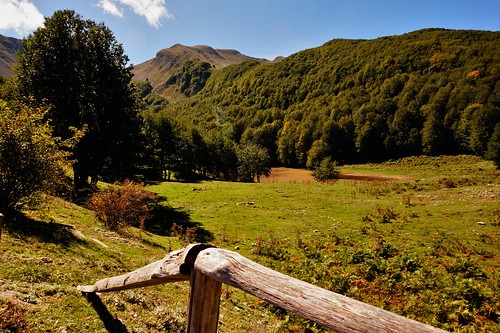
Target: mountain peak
{"points": [[169, 61]]}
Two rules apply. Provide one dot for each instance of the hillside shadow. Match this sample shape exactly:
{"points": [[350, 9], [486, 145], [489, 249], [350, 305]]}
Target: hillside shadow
{"points": [[21, 226], [164, 217]]}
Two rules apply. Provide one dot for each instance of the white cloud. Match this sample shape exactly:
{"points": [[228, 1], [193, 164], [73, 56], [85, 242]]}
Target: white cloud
{"points": [[153, 10], [110, 8], [20, 16]]}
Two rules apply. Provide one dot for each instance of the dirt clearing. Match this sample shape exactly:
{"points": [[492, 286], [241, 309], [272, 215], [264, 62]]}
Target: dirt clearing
{"points": [[288, 175]]}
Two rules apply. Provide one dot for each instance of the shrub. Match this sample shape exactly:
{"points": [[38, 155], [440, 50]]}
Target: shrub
{"points": [[448, 183], [13, 316], [326, 171], [121, 206], [185, 235], [30, 159]]}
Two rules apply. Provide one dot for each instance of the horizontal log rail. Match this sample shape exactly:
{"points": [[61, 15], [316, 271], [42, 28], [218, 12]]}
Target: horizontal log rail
{"points": [[176, 266], [207, 268]]}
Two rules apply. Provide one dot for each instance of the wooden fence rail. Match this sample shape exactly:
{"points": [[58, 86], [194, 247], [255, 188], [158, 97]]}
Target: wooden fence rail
{"points": [[207, 268]]}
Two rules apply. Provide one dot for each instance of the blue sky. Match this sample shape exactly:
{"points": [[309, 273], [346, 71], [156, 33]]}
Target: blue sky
{"points": [[259, 28]]}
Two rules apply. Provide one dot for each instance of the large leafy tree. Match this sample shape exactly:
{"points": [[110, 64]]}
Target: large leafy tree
{"points": [[81, 70], [253, 162]]}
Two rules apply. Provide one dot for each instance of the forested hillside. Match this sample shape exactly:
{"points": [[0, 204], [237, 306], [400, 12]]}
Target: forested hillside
{"points": [[429, 92]]}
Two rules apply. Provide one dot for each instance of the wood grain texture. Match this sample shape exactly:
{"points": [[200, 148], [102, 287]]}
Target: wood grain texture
{"points": [[327, 308], [176, 266], [204, 301]]}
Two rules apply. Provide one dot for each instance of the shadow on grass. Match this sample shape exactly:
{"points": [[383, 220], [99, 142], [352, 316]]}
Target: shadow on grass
{"points": [[22, 226], [164, 217], [111, 324]]}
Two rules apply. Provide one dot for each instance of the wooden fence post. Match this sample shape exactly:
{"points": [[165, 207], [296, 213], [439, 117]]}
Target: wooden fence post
{"points": [[204, 301]]}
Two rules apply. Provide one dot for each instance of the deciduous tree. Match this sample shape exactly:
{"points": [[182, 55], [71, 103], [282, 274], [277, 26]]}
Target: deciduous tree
{"points": [[494, 146], [253, 162], [81, 70]]}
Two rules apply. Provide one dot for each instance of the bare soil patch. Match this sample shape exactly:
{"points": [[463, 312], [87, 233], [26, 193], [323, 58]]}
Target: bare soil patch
{"points": [[289, 175]]}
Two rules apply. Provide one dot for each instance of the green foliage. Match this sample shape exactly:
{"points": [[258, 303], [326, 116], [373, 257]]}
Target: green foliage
{"points": [[80, 69], [8, 87], [253, 162], [316, 154], [144, 88], [327, 170], [30, 158], [429, 92], [186, 152], [494, 146], [191, 78], [121, 206], [399, 280]]}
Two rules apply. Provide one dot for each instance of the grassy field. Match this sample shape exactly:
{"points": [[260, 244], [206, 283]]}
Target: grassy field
{"points": [[425, 246], [242, 212]]}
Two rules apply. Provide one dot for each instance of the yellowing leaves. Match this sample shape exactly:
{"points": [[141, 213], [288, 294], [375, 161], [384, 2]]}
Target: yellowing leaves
{"points": [[475, 74]]}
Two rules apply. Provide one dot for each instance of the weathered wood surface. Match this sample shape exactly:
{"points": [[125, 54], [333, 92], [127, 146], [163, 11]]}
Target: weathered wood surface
{"points": [[176, 266], [204, 301], [327, 308]]}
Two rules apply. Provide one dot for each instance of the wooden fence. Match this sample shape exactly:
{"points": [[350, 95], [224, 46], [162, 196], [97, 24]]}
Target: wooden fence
{"points": [[207, 268]]}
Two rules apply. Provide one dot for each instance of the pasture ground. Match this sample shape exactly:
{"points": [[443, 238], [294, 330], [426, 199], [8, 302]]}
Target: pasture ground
{"points": [[424, 245]]}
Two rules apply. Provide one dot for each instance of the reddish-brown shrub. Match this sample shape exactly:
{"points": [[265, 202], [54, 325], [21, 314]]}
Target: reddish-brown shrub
{"points": [[121, 206], [13, 317]]}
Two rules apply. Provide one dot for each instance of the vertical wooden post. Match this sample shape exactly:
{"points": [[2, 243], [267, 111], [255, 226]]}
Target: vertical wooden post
{"points": [[204, 300]]}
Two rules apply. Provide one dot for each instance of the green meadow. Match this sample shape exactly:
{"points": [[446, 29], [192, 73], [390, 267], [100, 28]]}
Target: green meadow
{"points": [[452, 200], [424, 246]]}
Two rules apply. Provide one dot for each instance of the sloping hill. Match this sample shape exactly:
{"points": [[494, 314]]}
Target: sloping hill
{"points": [[8, 48], [179, 59], [432, 92]]}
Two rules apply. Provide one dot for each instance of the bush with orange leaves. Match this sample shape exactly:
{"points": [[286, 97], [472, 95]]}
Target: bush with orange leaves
{"points": [[128, 204]]}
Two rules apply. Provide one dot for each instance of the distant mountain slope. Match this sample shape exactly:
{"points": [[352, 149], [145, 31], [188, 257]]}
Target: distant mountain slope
{"points": [[184, 62], [8, 48], [432, 91]]}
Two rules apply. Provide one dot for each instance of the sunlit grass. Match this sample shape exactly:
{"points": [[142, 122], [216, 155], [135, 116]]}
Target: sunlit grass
{"points": [[41, 262]]}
